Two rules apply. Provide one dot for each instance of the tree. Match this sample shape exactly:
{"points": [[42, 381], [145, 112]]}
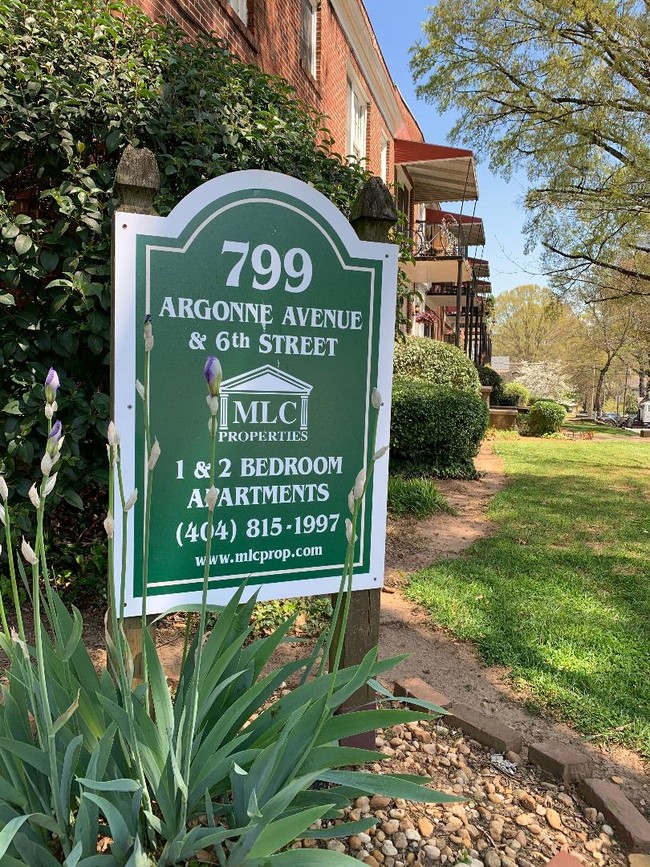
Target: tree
{"points": [[531, 324], [609, 332], [548, 380], [561, 87]]}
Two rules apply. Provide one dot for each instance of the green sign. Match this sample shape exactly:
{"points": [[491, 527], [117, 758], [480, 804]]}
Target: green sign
{"points": [[265, 273]]}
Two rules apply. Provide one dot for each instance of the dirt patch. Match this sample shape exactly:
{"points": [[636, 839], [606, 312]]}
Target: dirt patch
{"points": [[414, 545], [453, 667]]}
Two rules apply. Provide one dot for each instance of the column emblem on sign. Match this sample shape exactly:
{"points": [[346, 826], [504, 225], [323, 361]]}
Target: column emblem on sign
{"points": [[265, 396]]}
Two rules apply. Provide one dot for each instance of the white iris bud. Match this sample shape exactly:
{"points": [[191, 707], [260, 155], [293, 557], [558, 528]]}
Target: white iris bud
{"points": [[28, 553], [359, 484], [154, 455], [380, 453], [49, 487], [109, 525], [211, 498], [33, 497]]}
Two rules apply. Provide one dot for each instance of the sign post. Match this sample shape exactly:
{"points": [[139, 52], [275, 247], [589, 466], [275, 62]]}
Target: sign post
{"points": [[372, 217], [264, 272]]}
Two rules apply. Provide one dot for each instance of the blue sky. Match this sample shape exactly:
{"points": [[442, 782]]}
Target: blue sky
{"points": [[397, 27]]}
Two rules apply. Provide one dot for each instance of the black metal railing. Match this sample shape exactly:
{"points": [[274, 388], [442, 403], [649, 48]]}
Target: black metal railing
{"points": [[443, 239]]}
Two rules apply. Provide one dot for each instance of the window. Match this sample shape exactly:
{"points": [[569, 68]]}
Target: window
{"points": [[383, 161], [357, 118], [308, 37], [404, 201], [241, 8]]}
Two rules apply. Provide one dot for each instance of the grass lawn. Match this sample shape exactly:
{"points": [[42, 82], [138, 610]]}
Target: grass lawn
{"points": [[561, 592]]}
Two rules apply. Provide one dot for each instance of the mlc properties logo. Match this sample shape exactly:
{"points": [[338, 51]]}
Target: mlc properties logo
{"points": [[264, 405]]}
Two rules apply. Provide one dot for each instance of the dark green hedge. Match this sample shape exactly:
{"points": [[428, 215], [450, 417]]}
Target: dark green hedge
{"points": [[488, 376], [435, 430], [545, 417]]}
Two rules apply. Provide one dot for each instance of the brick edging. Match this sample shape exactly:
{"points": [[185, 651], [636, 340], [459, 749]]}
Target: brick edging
{"points": [[562, 761]]}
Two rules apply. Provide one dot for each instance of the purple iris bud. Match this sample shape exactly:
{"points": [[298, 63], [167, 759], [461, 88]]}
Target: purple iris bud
{"points": [[54, 439], [148, 333], [51, 385], [213, 375]]}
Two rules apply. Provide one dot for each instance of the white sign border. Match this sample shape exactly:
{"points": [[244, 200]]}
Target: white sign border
{"points": [[126, 331]]}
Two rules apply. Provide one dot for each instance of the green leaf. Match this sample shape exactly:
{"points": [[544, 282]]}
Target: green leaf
{"points": [[49, 260], [322, 758], [32, 755], [200, 838], [345, 829], [345, 724], [73, 498], [75, 635], [9, 832], [164, 711], [10, 231], [296, 858], [119, 831], [139, 857], [7, 300], [65, 716], [23, 244], [386, 693], [278, 834], [391, 786], [122, 785], [69, 764], [73, 858]]}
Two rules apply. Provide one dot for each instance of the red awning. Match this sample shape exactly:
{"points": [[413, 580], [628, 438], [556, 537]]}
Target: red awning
{"points": [[481, 267], [469, 230], [438, 173]]}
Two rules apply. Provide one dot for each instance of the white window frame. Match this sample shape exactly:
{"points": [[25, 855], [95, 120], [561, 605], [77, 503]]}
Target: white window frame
{"points": [[240, 8], [383, 160], [357, 121], [308, 39]]}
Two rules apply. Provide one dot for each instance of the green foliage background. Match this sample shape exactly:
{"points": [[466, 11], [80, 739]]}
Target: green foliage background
{"points": [[79, 80]]}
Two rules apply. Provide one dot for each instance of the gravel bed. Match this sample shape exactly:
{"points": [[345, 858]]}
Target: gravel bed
{"points": [[518, 820]]}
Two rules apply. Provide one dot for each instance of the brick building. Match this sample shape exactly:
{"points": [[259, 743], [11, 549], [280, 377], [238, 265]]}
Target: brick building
{"points": [[328, 51]]}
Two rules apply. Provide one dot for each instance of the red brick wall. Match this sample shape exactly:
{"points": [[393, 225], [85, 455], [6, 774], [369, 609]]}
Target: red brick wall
{"points": [[271, 40]]}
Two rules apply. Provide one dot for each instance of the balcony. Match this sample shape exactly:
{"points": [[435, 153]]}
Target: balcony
{"points": [[440, 247]]}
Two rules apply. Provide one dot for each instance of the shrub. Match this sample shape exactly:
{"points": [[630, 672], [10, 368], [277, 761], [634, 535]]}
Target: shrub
{"points": [[81, 80], [514, 394], [545, 417], [435, 430], [488, 376], [435, 362], [417, 497]]}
